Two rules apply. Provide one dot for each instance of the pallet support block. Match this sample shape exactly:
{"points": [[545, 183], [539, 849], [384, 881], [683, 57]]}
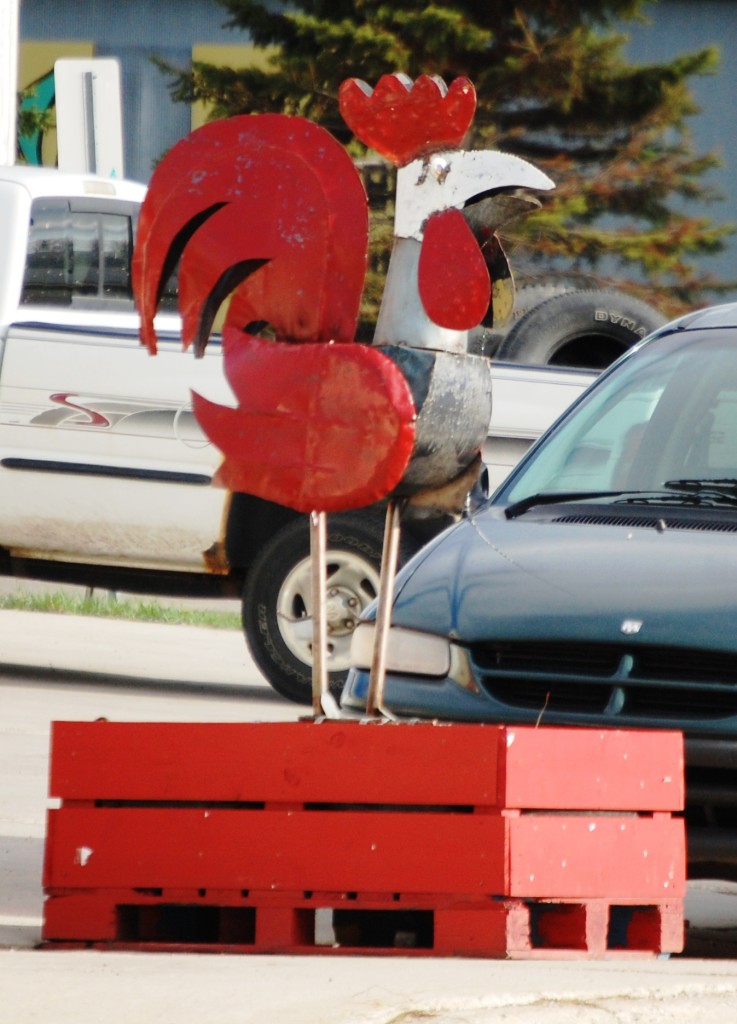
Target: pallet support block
{"points": [[343, 837]]}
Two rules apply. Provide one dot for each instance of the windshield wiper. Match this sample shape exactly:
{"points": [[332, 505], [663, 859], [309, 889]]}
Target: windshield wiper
{"points": [[629, 497], [693, 492], [702, 491], [555, 498]]}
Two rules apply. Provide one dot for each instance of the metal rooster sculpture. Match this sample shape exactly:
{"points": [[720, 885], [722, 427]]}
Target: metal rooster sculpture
{"points": [[270, 212]]}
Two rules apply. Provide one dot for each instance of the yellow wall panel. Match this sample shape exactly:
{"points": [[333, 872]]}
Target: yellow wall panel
{"points": [[36, 59], [229, 57], [35, 70]]}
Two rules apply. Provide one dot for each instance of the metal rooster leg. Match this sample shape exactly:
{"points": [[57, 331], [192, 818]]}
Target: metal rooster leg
{"points": [[389, 559], [447, 274], [318, 532]]}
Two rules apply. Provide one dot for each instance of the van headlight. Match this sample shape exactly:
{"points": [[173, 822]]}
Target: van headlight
{"points": [[409, 652]]}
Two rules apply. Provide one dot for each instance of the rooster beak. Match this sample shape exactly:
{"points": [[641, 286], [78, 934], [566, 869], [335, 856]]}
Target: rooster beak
{"points": [[454, 178]]}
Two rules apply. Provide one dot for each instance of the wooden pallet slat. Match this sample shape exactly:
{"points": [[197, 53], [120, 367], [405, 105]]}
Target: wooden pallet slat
{"points": [[586, 769], [270, 849], [335, 762], [352, 762], [530, 855]]}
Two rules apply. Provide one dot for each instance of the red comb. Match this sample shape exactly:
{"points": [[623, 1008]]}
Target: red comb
{"points": [[403, 121]]}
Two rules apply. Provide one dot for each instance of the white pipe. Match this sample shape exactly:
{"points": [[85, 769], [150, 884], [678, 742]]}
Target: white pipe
{"points": [[9, 28]]}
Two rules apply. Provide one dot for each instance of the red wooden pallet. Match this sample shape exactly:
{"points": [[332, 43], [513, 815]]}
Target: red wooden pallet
{"points": [[450, 839]]}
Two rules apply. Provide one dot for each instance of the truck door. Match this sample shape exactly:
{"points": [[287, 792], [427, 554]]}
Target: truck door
{"points": [[100, 457]]}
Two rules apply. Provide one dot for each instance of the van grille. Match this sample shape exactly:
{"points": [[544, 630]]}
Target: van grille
{"points": [[652, 683]]}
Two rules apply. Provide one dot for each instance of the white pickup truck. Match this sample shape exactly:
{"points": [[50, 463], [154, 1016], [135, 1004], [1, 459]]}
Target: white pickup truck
{"points": [[104, 473]]}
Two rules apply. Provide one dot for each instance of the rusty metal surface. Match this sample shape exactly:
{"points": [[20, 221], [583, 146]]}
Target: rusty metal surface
{"points": [[453, 397], [389, 559], [318, 548]]}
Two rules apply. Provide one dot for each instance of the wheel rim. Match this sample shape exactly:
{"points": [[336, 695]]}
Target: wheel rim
{"points": [[351, 584]]}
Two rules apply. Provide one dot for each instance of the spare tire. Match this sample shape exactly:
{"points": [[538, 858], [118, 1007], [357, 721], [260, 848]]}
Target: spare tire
{"points": [[585, 329], [484, 341]]}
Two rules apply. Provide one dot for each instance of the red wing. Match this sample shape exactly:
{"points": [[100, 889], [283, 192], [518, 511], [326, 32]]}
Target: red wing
{"points": [[317, 426]]}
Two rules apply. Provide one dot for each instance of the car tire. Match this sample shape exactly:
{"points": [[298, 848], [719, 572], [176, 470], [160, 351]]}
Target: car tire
{"points": [[276, 611], [586, 329]]}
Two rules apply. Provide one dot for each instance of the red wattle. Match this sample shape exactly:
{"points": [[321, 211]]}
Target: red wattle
{"points": [[453, 277]]}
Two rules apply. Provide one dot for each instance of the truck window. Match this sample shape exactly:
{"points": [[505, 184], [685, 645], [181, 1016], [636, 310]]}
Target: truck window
{"points": [[77, 256]]}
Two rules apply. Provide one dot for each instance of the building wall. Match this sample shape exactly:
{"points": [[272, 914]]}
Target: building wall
{"points": [[134, 30]]}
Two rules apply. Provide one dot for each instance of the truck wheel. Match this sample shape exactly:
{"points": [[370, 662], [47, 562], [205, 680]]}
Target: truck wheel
{"points": [[585, 329], [277, 601]]}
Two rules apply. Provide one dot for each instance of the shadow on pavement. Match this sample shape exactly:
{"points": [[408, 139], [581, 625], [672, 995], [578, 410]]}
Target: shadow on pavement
{"points": [[40, 675]]}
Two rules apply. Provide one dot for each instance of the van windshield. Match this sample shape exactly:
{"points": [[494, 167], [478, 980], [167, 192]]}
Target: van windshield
{"points": [[666, 414]]}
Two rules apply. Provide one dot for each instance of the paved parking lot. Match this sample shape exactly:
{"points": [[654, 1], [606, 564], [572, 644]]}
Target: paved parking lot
{"points": [[54, 668]]}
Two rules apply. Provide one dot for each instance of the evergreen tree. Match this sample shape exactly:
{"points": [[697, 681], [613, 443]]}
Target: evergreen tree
{"points": [[553, 87]]}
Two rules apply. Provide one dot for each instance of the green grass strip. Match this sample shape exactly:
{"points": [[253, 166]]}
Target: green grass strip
{"points": [[110, 607]]}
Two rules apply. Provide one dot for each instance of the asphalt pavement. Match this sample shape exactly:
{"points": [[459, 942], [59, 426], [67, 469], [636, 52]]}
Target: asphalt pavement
{"points": [[62, 667]]}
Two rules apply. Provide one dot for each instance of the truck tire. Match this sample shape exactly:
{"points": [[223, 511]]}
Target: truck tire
{"points": [[583, 329], [276, 611]]}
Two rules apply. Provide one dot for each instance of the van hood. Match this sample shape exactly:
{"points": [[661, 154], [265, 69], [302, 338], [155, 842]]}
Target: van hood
{"points": [[490, 578]]}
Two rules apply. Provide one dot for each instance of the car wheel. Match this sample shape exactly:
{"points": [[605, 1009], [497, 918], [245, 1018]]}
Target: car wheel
{"points": [[277, 599], [583, 329]]}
